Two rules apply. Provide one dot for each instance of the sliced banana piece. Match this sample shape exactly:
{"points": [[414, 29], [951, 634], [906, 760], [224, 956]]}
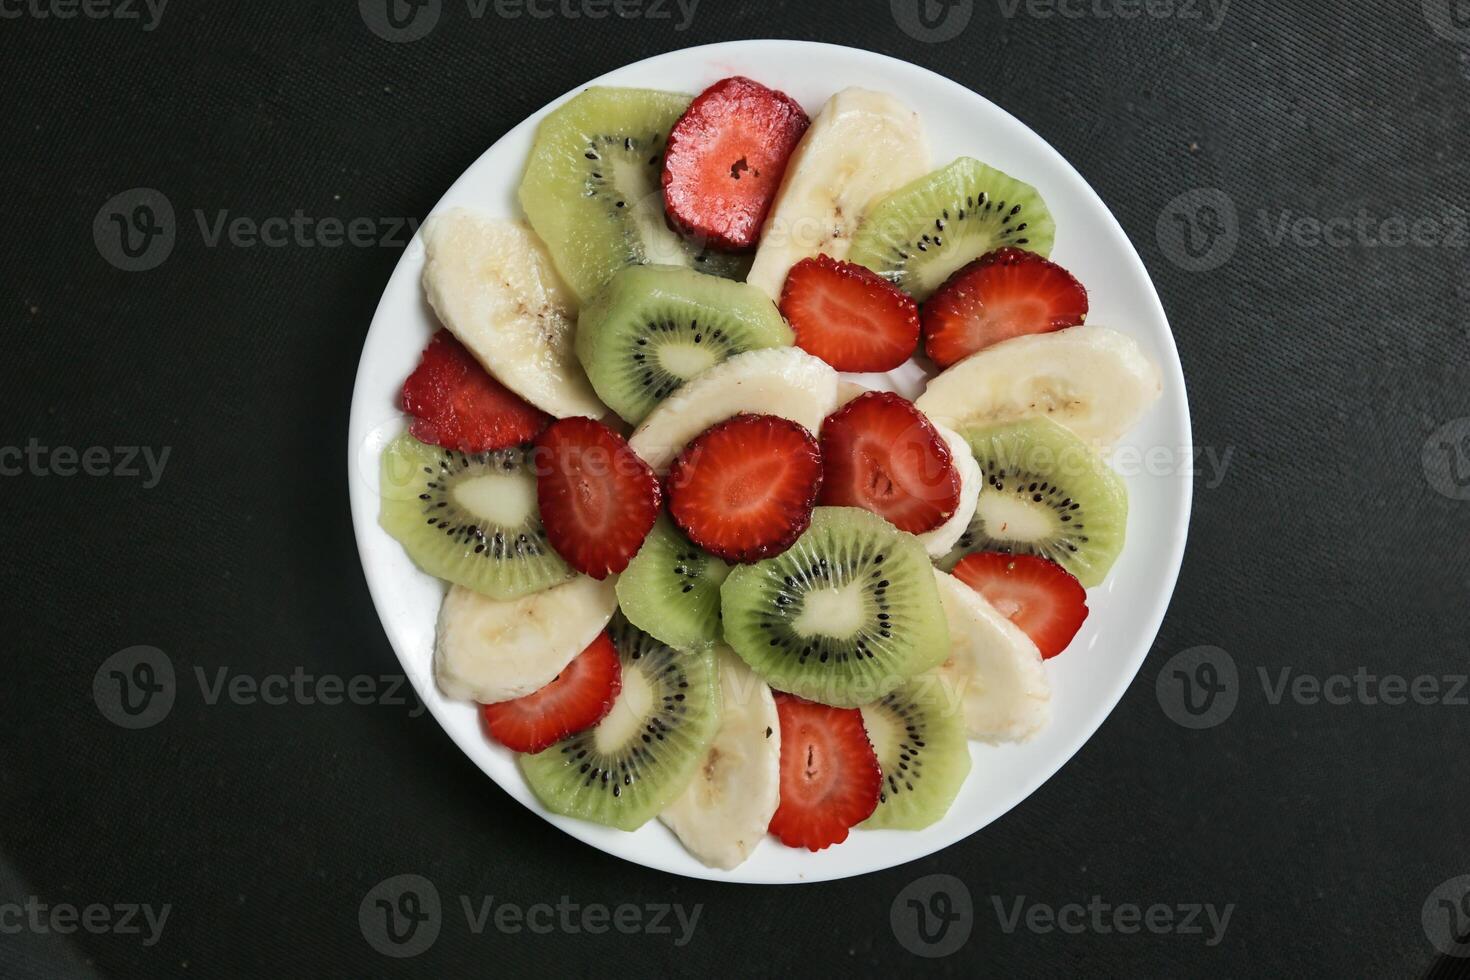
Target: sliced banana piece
{"points": [[860, 147], [492, 284], [944, 537], [996, 667], [725, 811], [491, 650], [1095, 381], [784, 381]]}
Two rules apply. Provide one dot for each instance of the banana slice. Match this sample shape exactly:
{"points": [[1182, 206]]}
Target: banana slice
{"points": [[1007, 696], [491, 650], [944, 537], [724, 813], [493, 285], [784, 381], [859, 148], [1093, 380]]}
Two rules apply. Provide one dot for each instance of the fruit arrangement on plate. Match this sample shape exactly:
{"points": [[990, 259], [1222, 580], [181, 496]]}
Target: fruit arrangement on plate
{"points": [[697, 572]]}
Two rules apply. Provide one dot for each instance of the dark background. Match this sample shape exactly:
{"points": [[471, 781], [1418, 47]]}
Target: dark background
{"points": [[1324, 367]]}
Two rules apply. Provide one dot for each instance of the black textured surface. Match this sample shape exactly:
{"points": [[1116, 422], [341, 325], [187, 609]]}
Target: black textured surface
{"points": [[1324, 368]]}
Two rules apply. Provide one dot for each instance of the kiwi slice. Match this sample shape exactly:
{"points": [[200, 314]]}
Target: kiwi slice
{"points": [[847, 614], [654, 327], [469, 518], [638, 759], [671, 590], [918, 734], [1045, 492], [920, 234], [592, 188]]}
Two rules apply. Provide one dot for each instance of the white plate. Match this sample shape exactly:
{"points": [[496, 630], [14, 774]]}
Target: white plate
{"points": [[1087, 680]]}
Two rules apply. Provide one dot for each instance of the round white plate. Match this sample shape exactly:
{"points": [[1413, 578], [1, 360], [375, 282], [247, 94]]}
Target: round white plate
{"points": [[1155, 458]]}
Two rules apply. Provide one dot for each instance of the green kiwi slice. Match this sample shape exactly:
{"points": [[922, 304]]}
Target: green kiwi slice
{"points": [[654, 327], [638, 759], [847, 614], [592, 188], [671, 590], [918, 734], [471, 519], [920, 234], [1045, 492]]}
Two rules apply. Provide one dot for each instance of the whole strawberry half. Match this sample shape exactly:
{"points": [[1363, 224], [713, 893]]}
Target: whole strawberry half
{"points": [[578, 698], [849, 316], [598, 499], [830, 778], [880, 453], [725, 158], [1040, 596], [1003, 294]]}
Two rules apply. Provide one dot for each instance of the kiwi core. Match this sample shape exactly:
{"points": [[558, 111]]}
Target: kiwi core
{"points": [[687, 360], [628, 713], [837, 612], [1013, 518], [505, 499]]}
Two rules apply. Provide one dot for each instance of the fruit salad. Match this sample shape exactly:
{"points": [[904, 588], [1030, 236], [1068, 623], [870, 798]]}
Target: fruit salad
{"points": [[696, 572]]}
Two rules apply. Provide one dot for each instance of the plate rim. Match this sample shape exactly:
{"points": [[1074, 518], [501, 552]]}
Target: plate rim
{"points": [[1103, 702]]}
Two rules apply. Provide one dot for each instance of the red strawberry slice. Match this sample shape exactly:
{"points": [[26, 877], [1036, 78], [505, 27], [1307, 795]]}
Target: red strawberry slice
{"points": [[744, 489], [880, 453], [598, 499], [457, 405], [725, 159], [578, 698], [1040, 596], [829, 773], [849, 316], [1002, 294]]}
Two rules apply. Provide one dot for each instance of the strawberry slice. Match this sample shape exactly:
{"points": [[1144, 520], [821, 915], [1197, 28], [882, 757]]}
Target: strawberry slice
{"points": [[880, 453], [849, 316], [456, 404], [744, 489], [1038, 595], [725, 158], [1002, 294], [829, 773], [598, 499], [576, 699]]}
